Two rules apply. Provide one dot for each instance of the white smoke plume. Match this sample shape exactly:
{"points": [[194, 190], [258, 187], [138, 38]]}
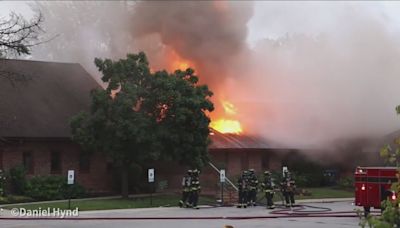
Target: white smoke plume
{"points": [[317, 72]]}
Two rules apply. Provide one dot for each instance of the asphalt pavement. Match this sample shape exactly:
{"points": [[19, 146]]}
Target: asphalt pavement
{"points": [[326, 213]]}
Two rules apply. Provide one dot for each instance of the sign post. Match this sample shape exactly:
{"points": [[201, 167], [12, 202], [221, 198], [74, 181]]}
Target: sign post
{"points": [[150, 175], [222, 180], [70, 181]]}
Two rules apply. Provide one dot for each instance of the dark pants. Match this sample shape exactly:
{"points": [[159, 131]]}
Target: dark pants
{"points": [[269, 196], [242, 197], [252, 196], [194, 198], [289, 197], [185, 196]]}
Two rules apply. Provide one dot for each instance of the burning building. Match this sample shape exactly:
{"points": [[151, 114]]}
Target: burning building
{"points": [[35, 130]]}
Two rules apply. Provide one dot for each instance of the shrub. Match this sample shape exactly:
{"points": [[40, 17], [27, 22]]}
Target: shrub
{"points": [[52, 188], [17, 179], [73, 191], [346, 182], [18, 199], [2, 182], [15, 199]]}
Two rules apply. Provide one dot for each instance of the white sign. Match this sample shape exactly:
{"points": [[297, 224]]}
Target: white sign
{"points": [[151, 175], [284, 170], [71, 177], [222, 175]]}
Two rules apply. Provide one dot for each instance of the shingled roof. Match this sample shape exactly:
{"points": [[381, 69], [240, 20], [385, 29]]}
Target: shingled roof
{"points": [[234, 141], [42, 104]]}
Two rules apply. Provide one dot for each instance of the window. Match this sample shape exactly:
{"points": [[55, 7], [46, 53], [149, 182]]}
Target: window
{"points": [[27, 161], [84, 162], [55, 162]]}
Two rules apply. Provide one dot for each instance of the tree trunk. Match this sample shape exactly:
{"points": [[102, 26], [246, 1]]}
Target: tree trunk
{"points": [[124, 181]]}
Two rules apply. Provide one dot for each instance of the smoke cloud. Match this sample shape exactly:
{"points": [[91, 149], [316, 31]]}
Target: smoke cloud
{"points": [[312, 73]]}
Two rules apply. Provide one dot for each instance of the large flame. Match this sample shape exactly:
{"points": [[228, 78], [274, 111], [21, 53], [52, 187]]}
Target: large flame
{"points": [[225, 123], [227, 126]]}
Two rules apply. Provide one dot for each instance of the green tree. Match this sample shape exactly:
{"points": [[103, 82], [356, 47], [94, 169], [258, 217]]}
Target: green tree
{"points": [[391, 214], [143, 116]]}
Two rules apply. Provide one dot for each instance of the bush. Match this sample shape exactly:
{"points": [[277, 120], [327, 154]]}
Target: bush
{"points": [[19, 199], [346, 182], [53, 188], [73, 191], [2, 182], [17, 179], [15, 199], [308, 179]]}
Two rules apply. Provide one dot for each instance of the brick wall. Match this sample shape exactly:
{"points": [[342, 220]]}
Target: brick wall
{"points": [[96, 179], [99, 179]]}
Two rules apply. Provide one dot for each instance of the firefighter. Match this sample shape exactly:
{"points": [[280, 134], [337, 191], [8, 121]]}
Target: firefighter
{"points": [[186, 181], [243, 190], [268, 187], [195, 189], [253, 186], [288, 188]]}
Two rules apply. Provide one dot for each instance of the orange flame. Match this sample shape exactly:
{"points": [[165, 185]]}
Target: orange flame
{"points": [[227, 126], [178, 63]]}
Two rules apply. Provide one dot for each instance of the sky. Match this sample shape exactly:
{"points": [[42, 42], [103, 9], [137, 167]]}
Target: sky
{"points": [[302, 73], [266, 10]]}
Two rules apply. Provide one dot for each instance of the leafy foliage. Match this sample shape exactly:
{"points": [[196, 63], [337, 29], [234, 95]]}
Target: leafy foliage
{"points": [[143, 116], [53, 188], [346, 182], [15, 199], [391, 214], [16, 177], [2, 182]]}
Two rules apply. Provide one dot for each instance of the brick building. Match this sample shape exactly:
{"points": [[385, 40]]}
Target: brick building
{"points": [[231, 152], [37, 99]]}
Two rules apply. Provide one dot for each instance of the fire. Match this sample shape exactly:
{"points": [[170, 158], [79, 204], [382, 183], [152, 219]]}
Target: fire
{"points": [[229, 108], [176, 62], [181, 65], [227, 126]]}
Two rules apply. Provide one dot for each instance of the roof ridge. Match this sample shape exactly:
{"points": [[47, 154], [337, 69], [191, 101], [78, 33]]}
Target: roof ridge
{"points": [[37, 61]]}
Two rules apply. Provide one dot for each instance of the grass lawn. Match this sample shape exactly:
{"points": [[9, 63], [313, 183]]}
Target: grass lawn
{"points": [[105, 204], [316, 193], [320, 193]]}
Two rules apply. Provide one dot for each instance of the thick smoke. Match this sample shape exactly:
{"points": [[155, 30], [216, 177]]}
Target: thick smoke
{"points": [[315, 73], [339, 80]]}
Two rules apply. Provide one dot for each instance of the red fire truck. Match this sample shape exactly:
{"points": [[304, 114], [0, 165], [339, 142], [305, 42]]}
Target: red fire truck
{"points": [[372, 186]]}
